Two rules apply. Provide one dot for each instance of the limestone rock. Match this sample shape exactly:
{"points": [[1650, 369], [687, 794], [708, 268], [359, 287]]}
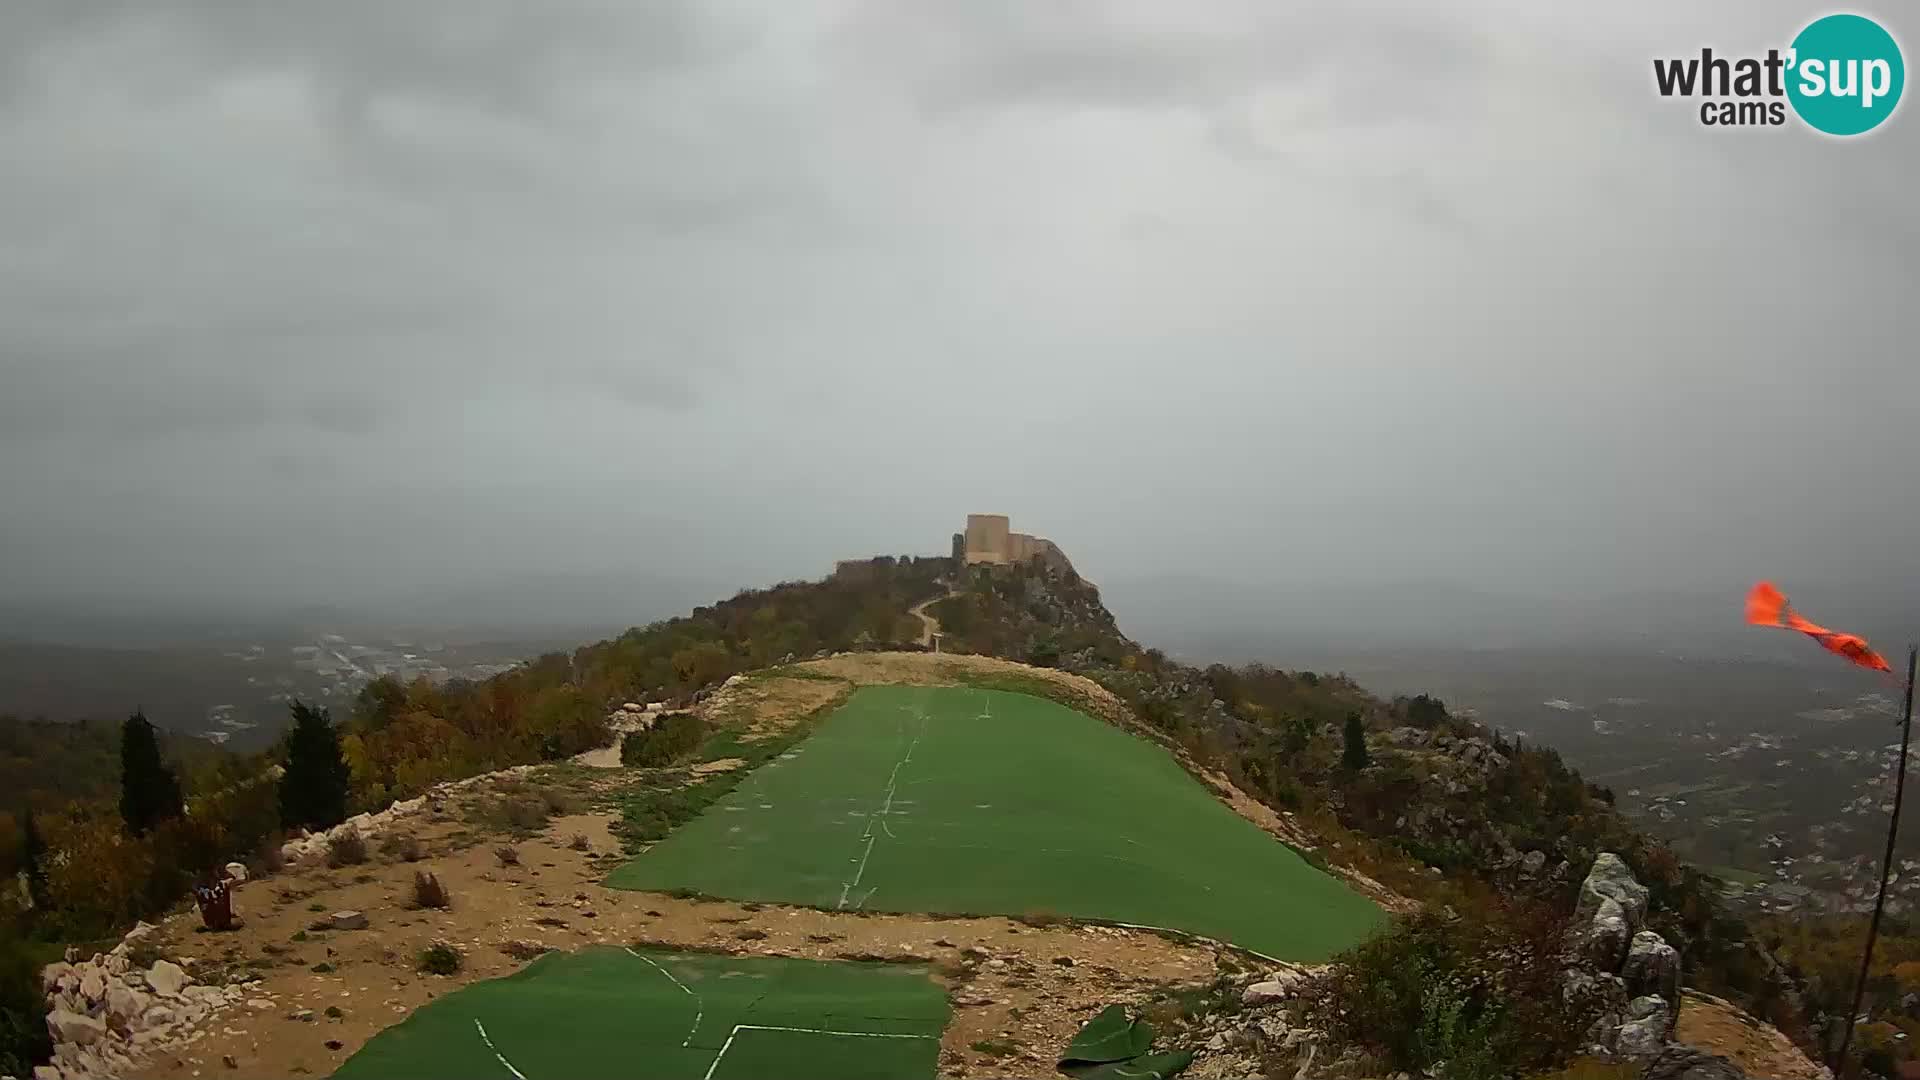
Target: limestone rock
{"points": [[1263, 993], [1646, 1032], [93, 984], [1652, 967], [349, 920], [1611, 880], [51, 975], [124, 1004], [1608, 937], [166, 978], [236, 871], [67, 1027]]}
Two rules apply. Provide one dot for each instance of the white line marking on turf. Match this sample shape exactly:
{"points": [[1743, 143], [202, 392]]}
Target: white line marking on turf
{"points": [[847, 886], [738, 1028], [497, 1055], [886, 808], [828, 1031], [699, 1005]]}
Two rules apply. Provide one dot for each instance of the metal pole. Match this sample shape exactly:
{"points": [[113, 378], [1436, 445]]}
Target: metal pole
{"points": [[1886, 867]]}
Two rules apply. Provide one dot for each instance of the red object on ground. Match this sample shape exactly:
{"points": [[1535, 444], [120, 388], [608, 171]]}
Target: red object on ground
{"points": [[216, 904], [1768, 606]]}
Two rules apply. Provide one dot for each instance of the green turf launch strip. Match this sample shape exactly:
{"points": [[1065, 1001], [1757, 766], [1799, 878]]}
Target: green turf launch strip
{"points": [[963, 801], [674, 1016]]}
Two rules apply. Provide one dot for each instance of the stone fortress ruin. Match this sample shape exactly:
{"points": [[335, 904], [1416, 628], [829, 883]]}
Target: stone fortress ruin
{"points": [[989, 540]]}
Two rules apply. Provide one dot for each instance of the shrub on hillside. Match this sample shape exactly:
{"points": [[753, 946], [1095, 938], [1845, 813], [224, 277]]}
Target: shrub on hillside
{"points": [[520, 815], [404, 846], [440, 958], [1474, 999], [346, 848], [557, 801], [675, 736]]}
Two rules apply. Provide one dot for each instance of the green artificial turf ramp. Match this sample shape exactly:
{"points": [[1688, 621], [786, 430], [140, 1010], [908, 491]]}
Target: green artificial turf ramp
{"points": [[674, 1016], [963, 801]]}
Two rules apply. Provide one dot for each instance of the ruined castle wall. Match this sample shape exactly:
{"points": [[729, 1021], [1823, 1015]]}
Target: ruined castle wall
{"points": [[988, 540]]}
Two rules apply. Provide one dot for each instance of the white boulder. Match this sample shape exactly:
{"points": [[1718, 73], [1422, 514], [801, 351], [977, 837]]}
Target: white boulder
{"points": [[74, 1028], [166, 978]]}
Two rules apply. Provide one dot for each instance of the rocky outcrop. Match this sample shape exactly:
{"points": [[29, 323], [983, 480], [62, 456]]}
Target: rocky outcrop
{"points": [[1611, 880], [1248, 1040], [1652, 967], [105, 1014], [1629, 970]]}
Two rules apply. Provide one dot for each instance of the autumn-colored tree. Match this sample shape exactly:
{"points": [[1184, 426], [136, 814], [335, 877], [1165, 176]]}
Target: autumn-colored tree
{"points": [[378, 703], [701, 664], [102, 884]]}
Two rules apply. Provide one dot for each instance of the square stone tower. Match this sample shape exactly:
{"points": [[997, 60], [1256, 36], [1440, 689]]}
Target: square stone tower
{"points": [[987, 538]]}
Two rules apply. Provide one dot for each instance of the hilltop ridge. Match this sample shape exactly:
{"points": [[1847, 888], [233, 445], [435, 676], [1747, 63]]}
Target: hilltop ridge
{"points": [[1421, 809]]}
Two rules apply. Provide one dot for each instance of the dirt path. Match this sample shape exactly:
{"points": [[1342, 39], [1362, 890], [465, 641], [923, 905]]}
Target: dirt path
{"points": [[929, 626]]}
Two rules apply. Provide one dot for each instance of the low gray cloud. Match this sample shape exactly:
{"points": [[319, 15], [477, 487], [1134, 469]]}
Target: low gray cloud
{"points": [[336, 299]]}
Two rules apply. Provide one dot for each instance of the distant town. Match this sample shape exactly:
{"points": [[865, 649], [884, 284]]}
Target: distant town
{"points": [[332, 669]]}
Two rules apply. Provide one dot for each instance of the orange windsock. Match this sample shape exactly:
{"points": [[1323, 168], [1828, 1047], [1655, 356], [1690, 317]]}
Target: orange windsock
{"points": [[1768, 606]]}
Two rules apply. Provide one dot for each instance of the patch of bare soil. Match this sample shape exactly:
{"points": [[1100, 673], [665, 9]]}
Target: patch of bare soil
{"points": [[1721, 1027], [315, 996], [770, 705], [952, 669]]}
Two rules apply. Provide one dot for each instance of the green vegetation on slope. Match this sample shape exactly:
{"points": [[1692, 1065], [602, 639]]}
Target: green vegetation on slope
{"points": [[965, 801], [675, 1016], [1463, 799]]}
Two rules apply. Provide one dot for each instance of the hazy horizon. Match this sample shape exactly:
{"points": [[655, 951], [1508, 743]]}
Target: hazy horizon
{"points": [[349, 304]]}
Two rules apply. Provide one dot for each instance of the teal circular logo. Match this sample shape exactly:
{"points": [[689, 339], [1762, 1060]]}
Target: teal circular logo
{"points": [[1846, 74]]}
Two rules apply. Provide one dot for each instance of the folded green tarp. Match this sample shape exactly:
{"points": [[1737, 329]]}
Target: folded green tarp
{"points": [[1114, 1046]]}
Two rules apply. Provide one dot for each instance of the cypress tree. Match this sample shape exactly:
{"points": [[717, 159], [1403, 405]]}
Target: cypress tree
{"points": [[1353, 757], [149, 791], [313, 790], [33, 861]]}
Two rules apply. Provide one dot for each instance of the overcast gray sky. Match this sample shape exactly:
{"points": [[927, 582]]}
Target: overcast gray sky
{"points": [[323, 300]]}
